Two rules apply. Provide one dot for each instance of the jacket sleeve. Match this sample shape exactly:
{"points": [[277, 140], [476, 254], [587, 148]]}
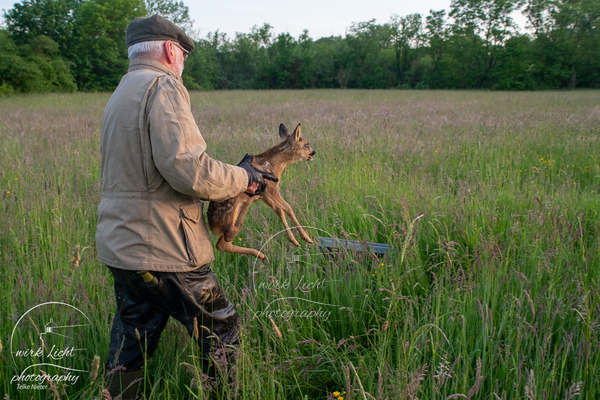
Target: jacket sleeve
{"points": [[178, 148]]}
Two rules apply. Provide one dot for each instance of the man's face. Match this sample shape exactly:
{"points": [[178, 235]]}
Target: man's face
{"points": [[179, 60]]}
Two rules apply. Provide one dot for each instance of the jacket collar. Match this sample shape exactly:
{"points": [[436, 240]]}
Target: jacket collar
{"points": [[148, 63]]}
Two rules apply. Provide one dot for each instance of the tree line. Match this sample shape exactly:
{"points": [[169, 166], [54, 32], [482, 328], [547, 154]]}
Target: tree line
{"points": [[68, 45]]}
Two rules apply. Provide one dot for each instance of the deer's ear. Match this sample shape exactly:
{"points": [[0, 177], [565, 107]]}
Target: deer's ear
{"points": [[283, 132], [297, 133]]}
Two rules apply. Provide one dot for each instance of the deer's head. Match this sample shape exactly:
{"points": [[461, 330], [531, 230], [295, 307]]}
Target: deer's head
{"points": [[296, 144]]}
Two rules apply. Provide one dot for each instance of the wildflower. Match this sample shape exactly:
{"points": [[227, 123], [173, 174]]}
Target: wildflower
{"points": [[240, 239], [16, 179], [382, 264], [7, 192], [336, 394]]}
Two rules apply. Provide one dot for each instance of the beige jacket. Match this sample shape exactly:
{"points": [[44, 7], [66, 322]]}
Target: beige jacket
{"points": [[154, 173]]}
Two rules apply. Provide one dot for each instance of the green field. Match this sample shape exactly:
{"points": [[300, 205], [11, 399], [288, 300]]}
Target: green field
{"points": [[490, 201]]}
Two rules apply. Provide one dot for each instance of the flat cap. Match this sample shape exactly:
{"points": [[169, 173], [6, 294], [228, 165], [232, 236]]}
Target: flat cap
{"points": [[147, 29]]}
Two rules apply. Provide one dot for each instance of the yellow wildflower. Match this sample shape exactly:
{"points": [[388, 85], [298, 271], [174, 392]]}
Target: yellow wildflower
{"points": [[336, 394]]}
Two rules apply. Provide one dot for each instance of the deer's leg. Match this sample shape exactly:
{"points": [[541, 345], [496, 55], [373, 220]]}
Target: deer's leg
{"points": [[239, 221], [291, 214], [288, 210], [238, 215], [280, 213], [281, 207], [228, 247]]}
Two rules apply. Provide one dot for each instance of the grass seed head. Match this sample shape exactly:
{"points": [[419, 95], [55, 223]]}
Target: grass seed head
{"points": [[94, 370], [276, 329], [76, 257], [196, 331]]}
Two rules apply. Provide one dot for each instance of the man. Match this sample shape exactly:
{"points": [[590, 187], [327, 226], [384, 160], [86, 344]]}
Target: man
{"points": [[151, 232]]}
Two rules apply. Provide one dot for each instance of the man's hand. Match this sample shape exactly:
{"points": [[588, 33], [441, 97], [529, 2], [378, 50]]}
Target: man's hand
{"points": [[252, 188], [256, 179]]}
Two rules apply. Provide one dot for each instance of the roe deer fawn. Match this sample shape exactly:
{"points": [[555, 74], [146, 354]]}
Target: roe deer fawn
{"points": [[226, 218]]}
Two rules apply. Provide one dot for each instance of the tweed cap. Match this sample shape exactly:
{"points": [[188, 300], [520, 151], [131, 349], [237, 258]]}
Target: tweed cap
{"points": [[147, 29]]}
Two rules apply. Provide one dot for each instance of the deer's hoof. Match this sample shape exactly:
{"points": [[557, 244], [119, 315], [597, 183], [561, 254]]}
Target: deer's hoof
{"points": [[260, 255], [307, 239], [295, 242]]}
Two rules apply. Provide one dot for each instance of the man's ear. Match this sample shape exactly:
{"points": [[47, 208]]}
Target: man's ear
{"points": [[169, 50], [297, 133], [283, 132]]}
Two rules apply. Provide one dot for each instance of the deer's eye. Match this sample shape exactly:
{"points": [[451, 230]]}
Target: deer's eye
{"points": [[306, 145]]}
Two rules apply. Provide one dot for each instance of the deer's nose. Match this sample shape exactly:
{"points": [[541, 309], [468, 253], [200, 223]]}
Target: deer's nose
{"points": [[313, 153]]}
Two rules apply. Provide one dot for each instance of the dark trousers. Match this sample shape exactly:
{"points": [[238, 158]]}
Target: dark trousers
{"points": [[181, 295]]}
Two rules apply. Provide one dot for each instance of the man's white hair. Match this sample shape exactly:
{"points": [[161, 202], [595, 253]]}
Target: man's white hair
{"points": [[151, 49]]}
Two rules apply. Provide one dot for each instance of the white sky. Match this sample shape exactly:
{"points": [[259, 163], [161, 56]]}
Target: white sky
{"points": [[320, 17]]}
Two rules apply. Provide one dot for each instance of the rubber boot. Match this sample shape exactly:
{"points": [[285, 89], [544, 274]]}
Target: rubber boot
{"points": [[123, 383]]}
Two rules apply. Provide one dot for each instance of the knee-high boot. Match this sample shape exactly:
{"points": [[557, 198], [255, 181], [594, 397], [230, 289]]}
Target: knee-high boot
{"points": [[124, 383]]}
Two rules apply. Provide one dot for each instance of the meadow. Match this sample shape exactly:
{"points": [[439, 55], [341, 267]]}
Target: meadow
{"points": [[489, 200]]}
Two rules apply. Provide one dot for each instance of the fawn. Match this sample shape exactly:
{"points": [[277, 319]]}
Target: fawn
{"points": [[226, 218]]}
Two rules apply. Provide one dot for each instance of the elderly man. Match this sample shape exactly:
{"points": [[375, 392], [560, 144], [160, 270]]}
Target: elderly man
{"points": [[151, 232]]}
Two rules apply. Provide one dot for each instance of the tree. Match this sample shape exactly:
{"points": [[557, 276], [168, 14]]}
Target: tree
{"points": [[52, 18], [486, 25], [405, 33], [437, 33], [577, 32], [33, 68], [174, 11], [98, 46]]}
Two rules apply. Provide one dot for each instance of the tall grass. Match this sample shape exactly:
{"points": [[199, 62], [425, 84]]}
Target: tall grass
{"points": [[489, 201]]}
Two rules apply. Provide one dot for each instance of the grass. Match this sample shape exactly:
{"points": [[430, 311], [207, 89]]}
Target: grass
{"points": [[490, 202]]}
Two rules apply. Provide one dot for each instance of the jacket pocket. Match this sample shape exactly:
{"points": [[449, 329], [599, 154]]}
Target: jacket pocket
{"points": [[191, 221]]}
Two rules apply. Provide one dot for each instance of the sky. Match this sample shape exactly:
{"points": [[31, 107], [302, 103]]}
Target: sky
{"points": [[320, 17]]}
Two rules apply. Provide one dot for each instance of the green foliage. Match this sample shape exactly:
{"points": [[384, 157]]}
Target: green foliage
{"points": [[514, 65], [479, 48], [52, 18], [33, 68], [202, 69], [98, 48]]}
